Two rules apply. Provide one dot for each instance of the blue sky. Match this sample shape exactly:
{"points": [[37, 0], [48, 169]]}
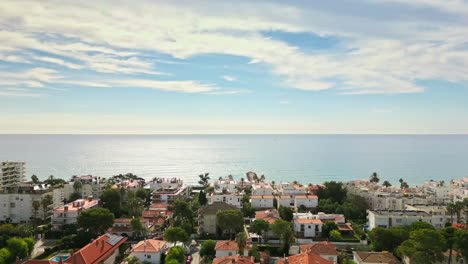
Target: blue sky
{"points": [[164, 67]]}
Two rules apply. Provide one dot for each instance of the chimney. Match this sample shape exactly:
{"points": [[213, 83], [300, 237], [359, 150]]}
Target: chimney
{"points": [[90, 198], [286, 260], [96, 243], [102, 244], [65, 208]]}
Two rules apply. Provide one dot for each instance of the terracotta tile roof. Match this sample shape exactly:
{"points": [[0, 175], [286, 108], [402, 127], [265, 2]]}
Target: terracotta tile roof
{"points": [[227, 245], [149, 245], [345, 227], [376, 257], [80, 204], [212, 209], [306, 197], [120, 229], [285, 196], [159, 205], [97, 251], [262, 197], [268, 215], [123, 220], [460, 226], [304, 258], [233, 260], [308, 221], [319, 248]]}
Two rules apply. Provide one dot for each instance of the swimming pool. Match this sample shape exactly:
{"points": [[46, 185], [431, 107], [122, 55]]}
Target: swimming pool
{"points": [[57, 258]]}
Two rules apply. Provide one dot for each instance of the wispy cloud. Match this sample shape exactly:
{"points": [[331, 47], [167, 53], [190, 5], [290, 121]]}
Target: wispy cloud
{"points": [[283, 102], [229, 78], [19, 93]]}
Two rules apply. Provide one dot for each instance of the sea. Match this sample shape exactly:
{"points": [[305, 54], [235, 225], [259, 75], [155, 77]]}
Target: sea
{"points": [[281, 158]]}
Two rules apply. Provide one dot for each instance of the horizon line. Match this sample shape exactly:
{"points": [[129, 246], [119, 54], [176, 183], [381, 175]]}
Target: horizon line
{"points": [[237, 134]]}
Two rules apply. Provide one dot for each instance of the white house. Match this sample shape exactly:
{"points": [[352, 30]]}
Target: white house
{"points": [[307, 227], [391, 218], [262, 189], [68, 214], [167, 190], [228, 248], [225, 183], [292, 189], [309, 201], [229, 198], [286, 201], [324, 249], [149, 250], [262, 201]]}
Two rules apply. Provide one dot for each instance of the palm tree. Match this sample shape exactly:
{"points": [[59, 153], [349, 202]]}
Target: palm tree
{"points": [[241, 240], [204, 178], [45, 202], [404, 185], [374, 177], [451, 209], [262, 178], [77, 186], [401, 180], [458, 207], [242, 182], [36, 205], [386, 184], [35, 179]]}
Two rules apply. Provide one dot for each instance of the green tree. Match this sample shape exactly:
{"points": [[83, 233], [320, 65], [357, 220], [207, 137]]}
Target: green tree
{"points": [[138, 227], [75, 196], [135, 204], [208, 249], [425, 246], [259, 227], [96, 220], [5, 256], [111, 199], [383, 239], [449, 234], [175, 234], [35, 179], [461, 243], [241, 240], [175, 253], [202, 198], [77, 186], [24, 230], [145, 195], [404, 185], [335, 235], [332, 190], [328, 227], [286, 213], [253, 252], [18, 247], [229, 221], [204, 179], [374, 177], [386, 184], [420, 225], [131, 260], [283, 229]]}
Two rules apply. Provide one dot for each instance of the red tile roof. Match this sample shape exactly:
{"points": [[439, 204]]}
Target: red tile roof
{"points": [[233, 260], [149, 245], [306, 197], [269, 215], [308, 221], [36, 261], [345, 227], [159, 205], [123, 220], [376, 257], [460, 226], [227, 245], [98, 250], [305, 258], [319, 248], [262, 197]]}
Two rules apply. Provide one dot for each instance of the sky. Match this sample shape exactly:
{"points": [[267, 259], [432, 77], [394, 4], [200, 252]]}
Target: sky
{"points": [[234, 67]]}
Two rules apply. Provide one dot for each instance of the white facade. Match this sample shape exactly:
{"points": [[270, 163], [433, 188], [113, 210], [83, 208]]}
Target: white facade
{"points": [[391, 218], [286, 201], [292, 189], [11, 173], [18, 207], [167, 190], [225, 184], [309, 201], [233, 252], [151, 257], [87, 189], [262, 189], [232, 199], [308, 228], [438, 212], [262, 201]]}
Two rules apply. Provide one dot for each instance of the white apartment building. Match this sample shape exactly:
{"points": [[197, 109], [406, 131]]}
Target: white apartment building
{"points": [[292, 189], [167, 190], [229, 198], [17, 202], [11, 173], [68, 214], [262, 201], [227, 184], [262, 189], [90, 186], [391, 218], [438, 191], [309, 201], [438, 212], [307, 225]]}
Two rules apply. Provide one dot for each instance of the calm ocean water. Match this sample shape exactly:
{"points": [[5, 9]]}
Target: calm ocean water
{"points": [[305, 158]]}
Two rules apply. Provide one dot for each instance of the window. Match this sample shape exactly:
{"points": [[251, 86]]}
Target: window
{"points": [[230, 254], [149, 256]]}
